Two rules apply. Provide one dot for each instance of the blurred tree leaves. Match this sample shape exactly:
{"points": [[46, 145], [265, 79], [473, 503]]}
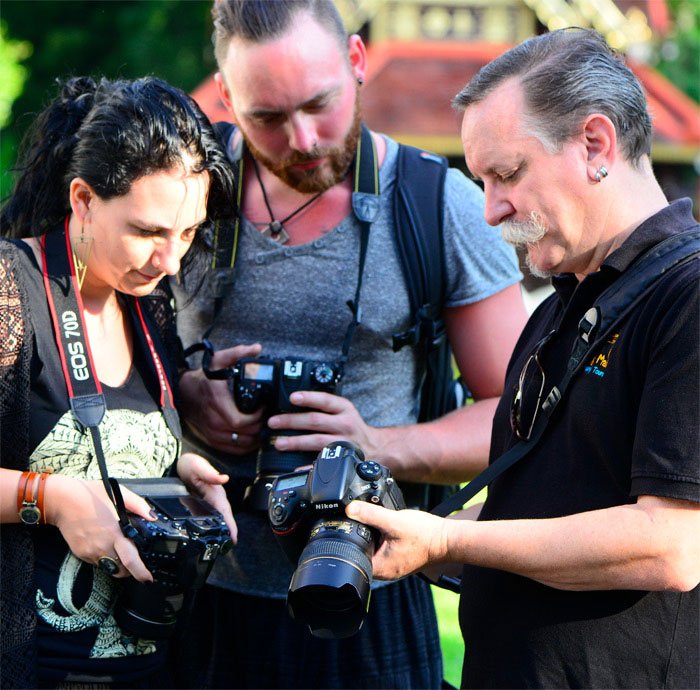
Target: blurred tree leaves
{"points": [[41, 40], [679, 55], [12, 73], [113, 38]]}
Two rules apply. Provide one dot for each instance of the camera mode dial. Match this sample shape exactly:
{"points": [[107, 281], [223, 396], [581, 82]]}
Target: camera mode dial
{"points": [[323, 373], [278, 512]]}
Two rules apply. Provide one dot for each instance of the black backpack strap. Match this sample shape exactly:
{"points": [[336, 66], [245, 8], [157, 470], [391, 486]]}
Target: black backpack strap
{"points": [[418, 213], [418, 204], [418, 220], [610, 307]]}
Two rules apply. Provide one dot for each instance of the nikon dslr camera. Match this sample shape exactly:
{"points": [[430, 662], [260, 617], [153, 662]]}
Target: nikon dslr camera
{"points": [[179, 548], [330, 588]]}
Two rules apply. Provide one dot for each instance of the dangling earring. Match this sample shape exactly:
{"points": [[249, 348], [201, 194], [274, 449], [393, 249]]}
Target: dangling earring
{"points": [[81, 253]]}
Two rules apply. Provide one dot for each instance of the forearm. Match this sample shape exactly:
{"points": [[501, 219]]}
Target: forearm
{"points": [[449, 450], [9, 480], [625, 547]]}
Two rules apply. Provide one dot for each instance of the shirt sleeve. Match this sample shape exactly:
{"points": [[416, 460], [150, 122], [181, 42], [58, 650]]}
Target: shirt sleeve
{"points": [[479, 263], [666, 455]]}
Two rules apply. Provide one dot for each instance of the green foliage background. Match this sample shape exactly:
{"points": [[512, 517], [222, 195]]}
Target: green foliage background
{"points": [[678, 57], [112, 38]]}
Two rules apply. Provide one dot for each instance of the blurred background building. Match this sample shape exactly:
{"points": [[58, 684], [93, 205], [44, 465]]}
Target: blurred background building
{"points": [[422, 52]]}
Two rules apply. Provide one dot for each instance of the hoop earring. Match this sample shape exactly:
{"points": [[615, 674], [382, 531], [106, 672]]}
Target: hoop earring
{"points": [[601, 173], [82, 248]]}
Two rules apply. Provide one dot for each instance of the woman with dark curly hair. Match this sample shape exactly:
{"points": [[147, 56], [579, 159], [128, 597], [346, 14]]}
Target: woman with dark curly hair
{"points": [[118, 185]]}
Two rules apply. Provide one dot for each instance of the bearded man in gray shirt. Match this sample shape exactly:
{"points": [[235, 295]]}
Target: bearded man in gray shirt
{"points": [[290, 77]]}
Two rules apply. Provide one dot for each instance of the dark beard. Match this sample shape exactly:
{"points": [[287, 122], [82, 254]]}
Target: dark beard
{"points": [[318, 179]]}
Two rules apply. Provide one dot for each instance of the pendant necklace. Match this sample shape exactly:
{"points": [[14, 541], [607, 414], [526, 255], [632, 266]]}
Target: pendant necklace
{"points": [[275, 228]]}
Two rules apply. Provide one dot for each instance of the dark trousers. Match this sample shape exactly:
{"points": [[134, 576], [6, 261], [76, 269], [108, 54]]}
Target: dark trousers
{"points": [[237, 641]]}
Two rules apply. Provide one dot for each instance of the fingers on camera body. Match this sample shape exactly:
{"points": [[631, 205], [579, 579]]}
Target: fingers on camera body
{"points": [[229, 356], [122, 560]]}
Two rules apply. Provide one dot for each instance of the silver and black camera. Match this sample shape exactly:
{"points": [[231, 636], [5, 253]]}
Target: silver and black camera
{"points": [[330, 588], [179, 548]]}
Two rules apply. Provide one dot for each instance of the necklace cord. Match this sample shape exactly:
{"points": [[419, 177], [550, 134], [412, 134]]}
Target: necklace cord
{"points": [[308, 202]]}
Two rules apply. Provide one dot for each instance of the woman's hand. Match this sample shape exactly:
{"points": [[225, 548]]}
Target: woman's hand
{"points": [[207, 482], [87, 520]]}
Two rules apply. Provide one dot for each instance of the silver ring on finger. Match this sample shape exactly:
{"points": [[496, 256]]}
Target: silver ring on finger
{"points": [[108, 565]]}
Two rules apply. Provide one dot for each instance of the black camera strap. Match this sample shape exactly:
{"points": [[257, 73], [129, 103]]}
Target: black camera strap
{"points": [[365, 206], [87, 400]]}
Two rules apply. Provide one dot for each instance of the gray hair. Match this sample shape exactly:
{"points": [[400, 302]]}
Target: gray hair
{"points": [[566, 75], [261, 20]]}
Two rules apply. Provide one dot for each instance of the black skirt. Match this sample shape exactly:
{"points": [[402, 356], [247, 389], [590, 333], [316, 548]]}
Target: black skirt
{"points": [[238, 641]]}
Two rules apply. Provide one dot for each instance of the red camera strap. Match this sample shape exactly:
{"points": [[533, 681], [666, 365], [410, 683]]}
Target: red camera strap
{"points": [[66, 309]]}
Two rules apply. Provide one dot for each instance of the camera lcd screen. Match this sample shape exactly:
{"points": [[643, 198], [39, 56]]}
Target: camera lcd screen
{"points": [[255, 371], [291, 482], [180, 506]]}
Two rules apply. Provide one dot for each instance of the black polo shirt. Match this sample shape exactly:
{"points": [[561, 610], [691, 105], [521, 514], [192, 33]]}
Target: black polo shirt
{"points": [[627, 426]]}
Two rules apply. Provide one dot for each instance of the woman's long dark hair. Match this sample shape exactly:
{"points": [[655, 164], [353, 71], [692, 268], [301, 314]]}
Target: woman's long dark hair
{"points": [[111, 133]]}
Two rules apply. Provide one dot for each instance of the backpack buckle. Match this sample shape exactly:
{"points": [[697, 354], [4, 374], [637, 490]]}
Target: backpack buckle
{"points": [[219, 280], [426, 329], [409, 337]]}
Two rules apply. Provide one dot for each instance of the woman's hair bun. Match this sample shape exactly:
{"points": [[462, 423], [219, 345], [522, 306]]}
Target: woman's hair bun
{"points": [[77, 94]]}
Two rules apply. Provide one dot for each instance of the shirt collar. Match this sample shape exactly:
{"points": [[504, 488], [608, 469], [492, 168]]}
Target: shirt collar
{"points": [[666, 222]]}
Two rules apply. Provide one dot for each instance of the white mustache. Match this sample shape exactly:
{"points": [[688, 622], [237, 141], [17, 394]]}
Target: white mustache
{"points": [[520, 233]]}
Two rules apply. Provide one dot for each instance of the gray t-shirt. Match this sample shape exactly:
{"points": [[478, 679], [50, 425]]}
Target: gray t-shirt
{"points": [[293, 300]]}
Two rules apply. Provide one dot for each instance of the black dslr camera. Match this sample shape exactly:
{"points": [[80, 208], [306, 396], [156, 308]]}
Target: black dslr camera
{"points": [[263, 382], [179, 548], [330, 588], [260, 381]]}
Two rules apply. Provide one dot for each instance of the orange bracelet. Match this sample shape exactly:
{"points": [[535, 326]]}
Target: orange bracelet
{"points": [[42, 489], [29, 513], [22, 487]]}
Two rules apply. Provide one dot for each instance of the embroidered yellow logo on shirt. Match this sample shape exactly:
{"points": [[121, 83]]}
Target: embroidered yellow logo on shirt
{"points": [[599, 363]]}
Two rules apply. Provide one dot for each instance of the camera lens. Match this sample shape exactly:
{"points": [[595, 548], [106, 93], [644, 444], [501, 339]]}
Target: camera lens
{"points": [[148, 610], [330, 588]]}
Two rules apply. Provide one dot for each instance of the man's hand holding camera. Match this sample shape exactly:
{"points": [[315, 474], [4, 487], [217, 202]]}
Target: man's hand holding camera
{"points": [[328, 418], [411, 539], [210, 409]]}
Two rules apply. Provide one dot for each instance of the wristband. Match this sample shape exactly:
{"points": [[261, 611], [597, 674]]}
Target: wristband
{"points": [[22, 487], [30, 497], [40, 498]]}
